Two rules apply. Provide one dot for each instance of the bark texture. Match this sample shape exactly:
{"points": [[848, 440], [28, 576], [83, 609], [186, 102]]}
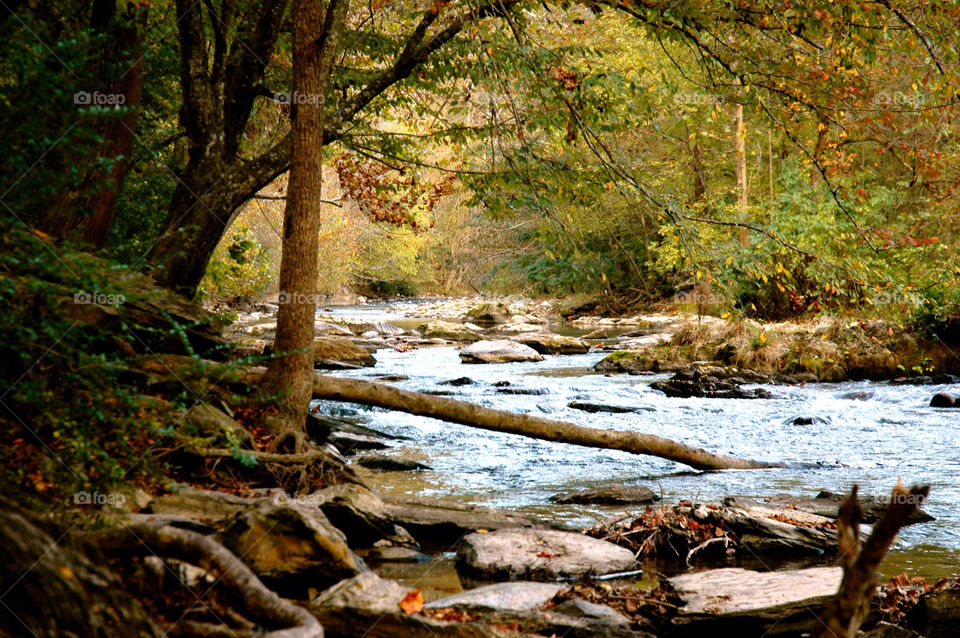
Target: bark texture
{"points": [[290, 372], [447, 409]]}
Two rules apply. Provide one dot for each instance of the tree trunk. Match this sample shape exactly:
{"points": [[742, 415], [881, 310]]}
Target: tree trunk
{"points": [[291, 371], [446, 409], [87, 213], [742, 187]]}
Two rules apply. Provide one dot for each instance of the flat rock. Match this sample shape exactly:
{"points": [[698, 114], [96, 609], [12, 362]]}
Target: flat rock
{"points": [[549, 343], [390, 463], [349, 443], [734, 601], [498, 351], [515, 596], [614, 495], [538, 554], [327, 350], [593, 408], [448, 331], [440, 523]]}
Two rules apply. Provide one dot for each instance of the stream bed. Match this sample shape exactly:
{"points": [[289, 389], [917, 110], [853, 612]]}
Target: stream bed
{"points": [[867, 433]]}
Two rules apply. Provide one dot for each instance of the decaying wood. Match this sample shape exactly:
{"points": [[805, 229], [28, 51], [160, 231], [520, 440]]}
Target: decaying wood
{"points": [[767, 529], [843, 617], [453, 411], [261, 604]]}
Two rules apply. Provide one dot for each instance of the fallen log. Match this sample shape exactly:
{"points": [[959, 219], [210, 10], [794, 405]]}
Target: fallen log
{"points": [[453, 411]]}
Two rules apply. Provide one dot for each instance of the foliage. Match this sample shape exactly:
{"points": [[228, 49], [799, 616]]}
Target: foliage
{"points": [[239, 267]]}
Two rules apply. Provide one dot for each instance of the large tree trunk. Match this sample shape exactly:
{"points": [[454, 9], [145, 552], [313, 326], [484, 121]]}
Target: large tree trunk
{"points": [[291, 371], [87, 213], [446, 409]]}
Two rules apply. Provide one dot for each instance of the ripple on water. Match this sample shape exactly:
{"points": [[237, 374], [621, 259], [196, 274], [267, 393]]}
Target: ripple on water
{"points": [[884, 434]]}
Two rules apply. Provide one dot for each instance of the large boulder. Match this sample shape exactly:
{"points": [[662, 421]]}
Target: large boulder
{"points": [[448, 331], [291, 547], [549, 343], [328, 352], [538, 554], [689, 384], [498, 351]]}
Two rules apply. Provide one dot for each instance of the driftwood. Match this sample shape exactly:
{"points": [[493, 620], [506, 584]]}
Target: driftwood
{"points": [[261, 604], [843, 617], [451, 410]]}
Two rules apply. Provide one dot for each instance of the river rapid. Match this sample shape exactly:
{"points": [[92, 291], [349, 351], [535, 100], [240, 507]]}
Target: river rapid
{"points": [[867, 433]]}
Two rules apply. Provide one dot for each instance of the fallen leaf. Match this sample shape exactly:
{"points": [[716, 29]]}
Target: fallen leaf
{"points": [[412, 602]]}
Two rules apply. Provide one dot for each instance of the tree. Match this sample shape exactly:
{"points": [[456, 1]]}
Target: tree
{"points": [[86, 211], [219, 96], [316, 40]]}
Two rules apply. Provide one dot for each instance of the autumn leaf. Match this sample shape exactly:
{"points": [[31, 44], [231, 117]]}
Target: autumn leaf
{"points": [[545, 554], [412, 602]]}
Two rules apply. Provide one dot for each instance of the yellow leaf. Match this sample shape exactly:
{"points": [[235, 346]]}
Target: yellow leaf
{"points": [[764, 277], [725, 315], [763, 337], [729, 260], [782, 289]]}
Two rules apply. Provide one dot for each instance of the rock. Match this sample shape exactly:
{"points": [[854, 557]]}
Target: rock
{"points": [[689, 384], [498, 351], [215, 424], [360, 514], [858, 395], [320, 427], [549, 343], [807, 420], [579, 608], [334, 350], [349, 444], [368, 605], [438, 523], [447, 330], [936, 379], [523, 391], [615, 495], [748, 603], [389, 463], [488, 314], [538, 554], [886, 630], [937, 614], [291, 547], [393, 554], [459, 381], [206, 506], [944, 400], [330, 329], [604, 407], [515, 596]]}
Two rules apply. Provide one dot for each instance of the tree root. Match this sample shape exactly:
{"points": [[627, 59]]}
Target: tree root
{"points": [[261, 604]]}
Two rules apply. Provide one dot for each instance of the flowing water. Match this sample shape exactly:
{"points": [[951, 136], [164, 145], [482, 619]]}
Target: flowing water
{"points": [[867, 433]]}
